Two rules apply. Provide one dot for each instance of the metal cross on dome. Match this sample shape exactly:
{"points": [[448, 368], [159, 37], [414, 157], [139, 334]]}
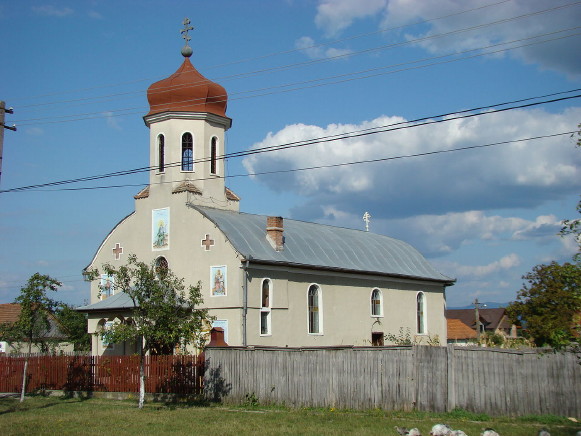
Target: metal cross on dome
{"points": [[185, 30], [366, 218]]}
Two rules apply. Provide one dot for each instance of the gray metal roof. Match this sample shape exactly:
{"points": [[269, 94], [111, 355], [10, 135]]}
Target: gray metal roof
{"points": [[323, 246], [120, 301]]}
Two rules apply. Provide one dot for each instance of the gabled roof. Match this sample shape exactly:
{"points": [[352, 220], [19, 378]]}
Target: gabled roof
{"points": [[10, 313], [458, 330], [493, 317], [322, 246], [120, 301]]}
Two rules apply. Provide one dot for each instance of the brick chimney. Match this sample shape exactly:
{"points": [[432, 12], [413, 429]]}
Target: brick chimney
{"points": [[274, 232]]}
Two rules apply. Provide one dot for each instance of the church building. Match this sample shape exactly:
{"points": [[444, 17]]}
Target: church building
{"points": [[268, 280]]}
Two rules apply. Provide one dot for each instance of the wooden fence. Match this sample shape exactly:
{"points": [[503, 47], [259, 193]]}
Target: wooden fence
{"points": [[164, 374], [482, 380]]}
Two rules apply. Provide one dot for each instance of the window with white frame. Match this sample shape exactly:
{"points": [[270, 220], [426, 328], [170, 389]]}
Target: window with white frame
{"points": [[161, 153], [187, 152], [376, 303], [265, 307], [421, 313], [315, 304]]}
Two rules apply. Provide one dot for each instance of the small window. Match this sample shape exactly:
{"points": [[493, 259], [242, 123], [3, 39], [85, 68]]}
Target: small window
{"points": [[314, 307], [213, 155], [187, 152], [161, 153], [421, 313], [376, 303], [265, 309]]}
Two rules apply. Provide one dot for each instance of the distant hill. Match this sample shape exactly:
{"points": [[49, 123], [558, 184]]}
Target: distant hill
{"points": [[487, 305]]}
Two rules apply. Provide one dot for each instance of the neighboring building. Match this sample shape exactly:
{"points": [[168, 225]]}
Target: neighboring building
{"points": [[10, 313], [462, 324], [267, 280]]}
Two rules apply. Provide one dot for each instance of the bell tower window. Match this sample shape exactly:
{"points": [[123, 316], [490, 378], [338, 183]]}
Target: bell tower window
{"points": [[213, 155], [161, 154], [187, 152]]}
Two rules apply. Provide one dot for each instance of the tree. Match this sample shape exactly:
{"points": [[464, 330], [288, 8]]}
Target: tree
{"points": [[75, 325], [165, 313], [33, 322], [549, 304]]}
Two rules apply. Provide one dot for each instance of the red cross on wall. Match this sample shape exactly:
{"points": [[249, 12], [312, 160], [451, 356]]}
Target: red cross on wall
{"points": [[207, 242], [117, 251]]}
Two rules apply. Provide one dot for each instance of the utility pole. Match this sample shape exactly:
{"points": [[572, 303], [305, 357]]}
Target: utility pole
{"points": [[3, 126], [477, 316]]}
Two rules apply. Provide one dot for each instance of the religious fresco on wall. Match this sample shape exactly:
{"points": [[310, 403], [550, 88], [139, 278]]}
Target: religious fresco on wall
{"points": [[218, 281], [160, 229], [107, 286]]}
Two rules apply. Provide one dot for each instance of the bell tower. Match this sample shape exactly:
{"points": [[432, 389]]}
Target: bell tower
{"points": [[187, 123]]}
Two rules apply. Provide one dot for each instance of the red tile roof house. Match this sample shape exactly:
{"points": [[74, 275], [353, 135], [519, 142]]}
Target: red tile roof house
{"points": [[9, 313], [462, 324]]}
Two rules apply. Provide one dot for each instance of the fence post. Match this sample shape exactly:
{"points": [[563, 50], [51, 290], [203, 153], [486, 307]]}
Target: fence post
{"points": [[451, 371]]}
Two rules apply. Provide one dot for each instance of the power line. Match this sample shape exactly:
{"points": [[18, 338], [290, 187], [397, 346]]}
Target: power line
{"points": [[367, 161], [280, 52], [349, 135], [115, 113], [307, 63]]}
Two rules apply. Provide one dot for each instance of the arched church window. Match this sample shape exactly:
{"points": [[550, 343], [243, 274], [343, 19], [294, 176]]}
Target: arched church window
{"points": [[315, 303], [187, 152], [213, 155], [421, 313], [161, 266], [161, 153]]}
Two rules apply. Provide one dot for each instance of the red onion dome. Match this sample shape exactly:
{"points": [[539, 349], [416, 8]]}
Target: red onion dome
{"points": [[187, 90]]}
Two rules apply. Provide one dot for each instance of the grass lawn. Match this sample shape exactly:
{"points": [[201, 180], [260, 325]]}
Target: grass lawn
{"points": [[55, 415]]}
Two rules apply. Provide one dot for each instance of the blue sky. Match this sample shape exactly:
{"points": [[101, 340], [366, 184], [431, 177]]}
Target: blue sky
{"points": [[76, 74]]}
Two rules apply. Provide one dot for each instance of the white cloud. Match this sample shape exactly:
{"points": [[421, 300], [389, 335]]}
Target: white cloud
{"points": [[516, 175], [112, 120], [53, 11], [544, 225], [555, 55], [314, 51], [478, 271], [335, 15], [94, 14], [34, 131]]}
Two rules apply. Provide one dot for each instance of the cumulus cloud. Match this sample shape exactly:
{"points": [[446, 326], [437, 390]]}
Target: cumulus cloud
{"points": [[478, 271], [334, 16], [53, 11], [554, 55], [516, 175], [544, 226]]}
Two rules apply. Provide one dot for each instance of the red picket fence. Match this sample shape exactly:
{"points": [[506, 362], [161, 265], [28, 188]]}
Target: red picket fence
{"points": [[163, 374]]}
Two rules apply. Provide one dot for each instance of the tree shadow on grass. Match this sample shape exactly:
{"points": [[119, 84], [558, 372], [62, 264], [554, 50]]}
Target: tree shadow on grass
{"points": [[13, 404]]}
